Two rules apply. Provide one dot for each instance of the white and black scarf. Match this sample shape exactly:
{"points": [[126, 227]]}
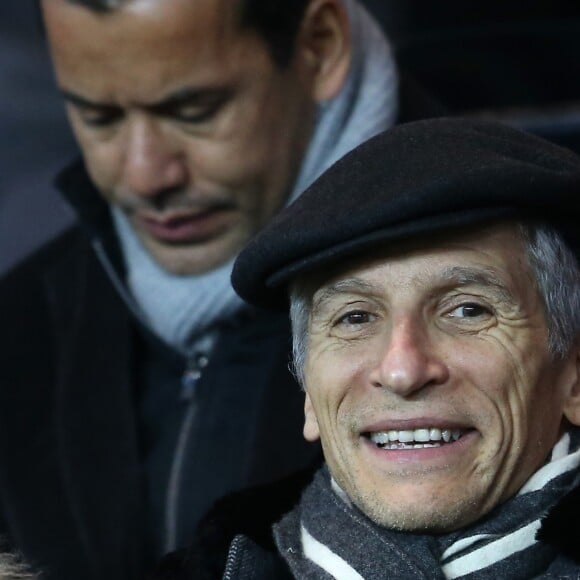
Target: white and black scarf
{"points": [[181, 309], [326, 537]]}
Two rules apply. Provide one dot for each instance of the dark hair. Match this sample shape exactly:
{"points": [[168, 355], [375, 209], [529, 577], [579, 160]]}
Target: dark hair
{"points": [[276, 21]]}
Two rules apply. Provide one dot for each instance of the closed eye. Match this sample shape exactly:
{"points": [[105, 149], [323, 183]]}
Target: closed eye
{"points": [[195, 115], [193, 106]]}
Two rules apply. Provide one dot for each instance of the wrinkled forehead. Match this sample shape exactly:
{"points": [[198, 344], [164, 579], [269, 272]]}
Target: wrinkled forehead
{"points": [[490, 255]]}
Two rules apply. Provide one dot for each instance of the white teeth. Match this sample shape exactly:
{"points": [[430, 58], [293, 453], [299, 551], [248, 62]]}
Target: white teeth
{"points": [[435, 434], [422, 435], [381, 438], [406, 436], [401, 439], [409, 446]]}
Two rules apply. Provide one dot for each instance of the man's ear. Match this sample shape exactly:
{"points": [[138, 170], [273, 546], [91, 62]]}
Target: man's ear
{"points": [[311, 430], [324, 46], [572, 399]]}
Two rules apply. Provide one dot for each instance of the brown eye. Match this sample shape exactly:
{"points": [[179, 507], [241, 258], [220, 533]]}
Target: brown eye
{"points": [[356, 317], [469, 310]]}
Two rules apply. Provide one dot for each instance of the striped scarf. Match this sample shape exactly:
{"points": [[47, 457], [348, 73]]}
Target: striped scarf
{"points": [[327, 537]]}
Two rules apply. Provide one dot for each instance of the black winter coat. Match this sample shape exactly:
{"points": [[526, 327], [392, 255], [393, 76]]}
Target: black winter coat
{"points": [[72, 451]]}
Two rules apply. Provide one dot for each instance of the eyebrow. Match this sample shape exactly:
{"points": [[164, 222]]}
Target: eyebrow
{"points": [[82, 101], [179, 98], [485, 277], [457, 276], [347, 286]]}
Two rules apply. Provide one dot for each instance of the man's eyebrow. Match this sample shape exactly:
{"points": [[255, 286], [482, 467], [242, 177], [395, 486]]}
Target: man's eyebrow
{"points": [[82, 101], [346, 286], [454, 275], [486, 277]]}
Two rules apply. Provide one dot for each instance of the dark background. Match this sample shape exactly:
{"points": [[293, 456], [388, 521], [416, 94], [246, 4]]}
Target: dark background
{"points": [[34, 137]]}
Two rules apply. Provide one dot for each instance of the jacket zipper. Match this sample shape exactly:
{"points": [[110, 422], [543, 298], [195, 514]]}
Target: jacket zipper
{"points": [[232, 559], [189, 381], [116, 281]]}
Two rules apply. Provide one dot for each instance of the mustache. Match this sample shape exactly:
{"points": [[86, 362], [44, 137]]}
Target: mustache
{"points": [[182, 201]]}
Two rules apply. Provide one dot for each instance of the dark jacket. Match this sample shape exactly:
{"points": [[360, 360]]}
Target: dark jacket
{"points": [[83, 393], [236, 536], [235, 540]]}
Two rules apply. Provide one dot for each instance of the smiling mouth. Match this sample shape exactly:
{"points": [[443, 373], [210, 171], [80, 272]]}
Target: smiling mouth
{"points": [[427, 437]]}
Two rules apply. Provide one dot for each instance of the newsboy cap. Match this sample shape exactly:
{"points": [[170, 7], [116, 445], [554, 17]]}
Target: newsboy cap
{"points": [[411, 181]]}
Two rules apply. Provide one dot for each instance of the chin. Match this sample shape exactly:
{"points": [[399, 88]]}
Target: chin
{"points": [[412, 517], [192, 260]]}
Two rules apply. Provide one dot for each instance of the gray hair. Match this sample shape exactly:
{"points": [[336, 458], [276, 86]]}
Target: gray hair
{"points": [[556, 272], [557, 275]]}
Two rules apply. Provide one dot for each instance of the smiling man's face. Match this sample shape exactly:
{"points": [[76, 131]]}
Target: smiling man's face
{"points": [[430, 383]]}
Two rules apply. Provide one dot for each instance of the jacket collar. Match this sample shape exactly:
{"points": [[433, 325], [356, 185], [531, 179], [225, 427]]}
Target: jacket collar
{"points": [[78, 190], [561, 526], [93, 212]]}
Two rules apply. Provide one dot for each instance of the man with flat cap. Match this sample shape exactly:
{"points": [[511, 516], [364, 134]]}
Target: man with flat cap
{"points": [[434, 290]]}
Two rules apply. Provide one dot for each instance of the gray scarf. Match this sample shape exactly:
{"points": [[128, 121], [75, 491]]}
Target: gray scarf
{"points": [[326, 537], [181, 309]]}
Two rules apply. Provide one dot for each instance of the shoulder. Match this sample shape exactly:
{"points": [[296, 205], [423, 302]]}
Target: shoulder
{"points": [[41, 298], [69, 245], [25, 290]]}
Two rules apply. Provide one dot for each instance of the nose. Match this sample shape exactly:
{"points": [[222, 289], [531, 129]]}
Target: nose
{"points": [[409, 361], [153, 160]]}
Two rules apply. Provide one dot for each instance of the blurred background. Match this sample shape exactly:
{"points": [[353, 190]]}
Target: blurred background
{"points": [[34, 137], [514, 61]]}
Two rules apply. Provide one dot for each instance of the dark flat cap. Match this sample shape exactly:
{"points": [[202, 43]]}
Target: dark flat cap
{"points": [[414, 180]]}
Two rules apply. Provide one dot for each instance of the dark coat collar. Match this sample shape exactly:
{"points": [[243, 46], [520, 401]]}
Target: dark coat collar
{"points": [[561, 527], [75, 185], [94, 216]]}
